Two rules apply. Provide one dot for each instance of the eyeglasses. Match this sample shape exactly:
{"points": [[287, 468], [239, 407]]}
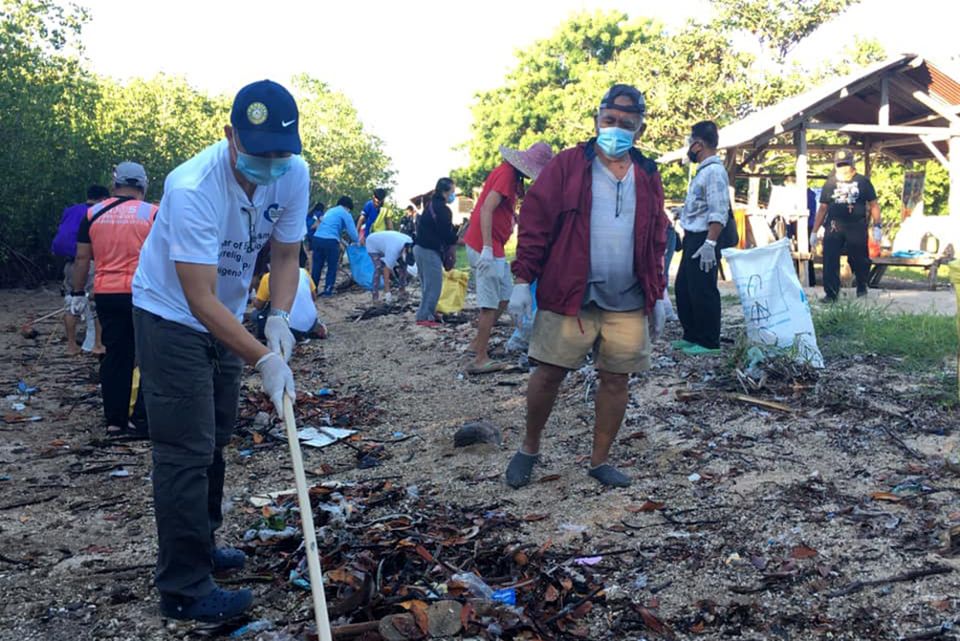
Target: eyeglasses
{"points": [[607, 118]]}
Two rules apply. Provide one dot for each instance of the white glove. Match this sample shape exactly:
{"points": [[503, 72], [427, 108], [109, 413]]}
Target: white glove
{"points": [[521, 302], [277, 379], [707, 255], [657, 320], [814, 240], [877, 234], [78, 305], [279, 337], [388, 298], [485, 261]]}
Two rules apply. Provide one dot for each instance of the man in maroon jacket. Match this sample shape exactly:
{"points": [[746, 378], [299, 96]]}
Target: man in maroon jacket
{"points": [[593, 235]]}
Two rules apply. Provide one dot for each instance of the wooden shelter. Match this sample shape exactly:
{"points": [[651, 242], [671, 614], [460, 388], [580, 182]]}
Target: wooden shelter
{"points": [[906, 108]]}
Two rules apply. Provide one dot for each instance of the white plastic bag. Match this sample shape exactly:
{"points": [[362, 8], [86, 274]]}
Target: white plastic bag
{"points": [[774, 304]]}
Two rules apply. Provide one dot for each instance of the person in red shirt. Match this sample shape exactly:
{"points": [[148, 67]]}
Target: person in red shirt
{"points": [[113, 231], [491, 226]]}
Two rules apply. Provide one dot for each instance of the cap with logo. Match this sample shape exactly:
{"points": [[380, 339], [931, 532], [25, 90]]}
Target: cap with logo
{"points": [[130, 174], [637, 104], [843, 157], [265, 117]]}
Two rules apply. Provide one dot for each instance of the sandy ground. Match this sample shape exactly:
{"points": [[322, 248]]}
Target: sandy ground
{"points": [[768, 522]]}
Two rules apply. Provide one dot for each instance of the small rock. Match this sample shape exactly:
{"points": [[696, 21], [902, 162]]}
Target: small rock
{"points": [[262, 419], [444, 618], [399, 627], [477, 432], [121, 594]]}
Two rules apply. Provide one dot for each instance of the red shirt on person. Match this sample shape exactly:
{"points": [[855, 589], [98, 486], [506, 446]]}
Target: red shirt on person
{"points": [[502, 180]]}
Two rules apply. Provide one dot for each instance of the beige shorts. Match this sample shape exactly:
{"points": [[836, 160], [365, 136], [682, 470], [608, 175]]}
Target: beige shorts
{"points": [[618, 340], [495, 285]]}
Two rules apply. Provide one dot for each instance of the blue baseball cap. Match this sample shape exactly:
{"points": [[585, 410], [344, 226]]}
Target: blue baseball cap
{"points": [[265, 117]]}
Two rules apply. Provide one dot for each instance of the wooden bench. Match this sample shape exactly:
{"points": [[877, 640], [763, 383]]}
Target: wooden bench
{"points": [[930, 263]]}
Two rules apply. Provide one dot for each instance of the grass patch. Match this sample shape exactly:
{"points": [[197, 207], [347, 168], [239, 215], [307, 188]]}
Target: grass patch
{"points": [[916, 274], [913, 340]]}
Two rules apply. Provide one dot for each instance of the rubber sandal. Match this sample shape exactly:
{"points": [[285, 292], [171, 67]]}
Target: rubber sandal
{"points": [[488, 368]]}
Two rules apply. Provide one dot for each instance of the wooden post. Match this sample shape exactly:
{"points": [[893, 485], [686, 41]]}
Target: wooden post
{"points": [[867, 162], [803, 238], [753, 194], [883, 117], [954, 195]]}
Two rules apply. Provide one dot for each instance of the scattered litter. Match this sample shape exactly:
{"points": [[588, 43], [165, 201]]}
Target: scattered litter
{"points": [[506, 595], [573, 527], [120, 474], [325, 391], [588, 560], [24, 389], [18, 407], [323, 436], [693, 478], [252, 628]]}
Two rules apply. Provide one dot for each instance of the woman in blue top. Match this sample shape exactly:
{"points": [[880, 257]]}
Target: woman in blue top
{"points": [[326, 242]]}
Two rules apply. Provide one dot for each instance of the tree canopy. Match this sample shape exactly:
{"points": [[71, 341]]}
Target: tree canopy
{"points": [[64, 128], [687, 74]]}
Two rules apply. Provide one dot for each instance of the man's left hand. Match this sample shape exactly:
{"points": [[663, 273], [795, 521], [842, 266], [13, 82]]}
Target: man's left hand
{"points": [[657, 319], [707, 255], [279, 337]]}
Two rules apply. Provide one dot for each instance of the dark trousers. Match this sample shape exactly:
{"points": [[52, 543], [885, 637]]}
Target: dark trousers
{"points": [[116, 369], [698, 299], [853, 237], [326, 251], [191, 387]]}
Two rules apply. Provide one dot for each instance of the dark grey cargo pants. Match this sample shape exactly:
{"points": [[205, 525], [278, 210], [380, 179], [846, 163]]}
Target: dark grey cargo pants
{"points": [[191, 389]]}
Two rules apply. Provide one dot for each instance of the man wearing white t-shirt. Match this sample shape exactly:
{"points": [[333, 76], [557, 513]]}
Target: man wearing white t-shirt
{"points": [[189, 294], [385, 249]]}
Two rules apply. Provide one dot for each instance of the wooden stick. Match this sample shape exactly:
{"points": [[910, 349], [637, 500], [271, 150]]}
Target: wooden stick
{"points": [[306, 520]]}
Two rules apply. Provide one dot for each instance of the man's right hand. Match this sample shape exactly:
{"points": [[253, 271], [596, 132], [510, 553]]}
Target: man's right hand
{"points": [[486, 259], [277, 379], [521, 302], [78, 304]]}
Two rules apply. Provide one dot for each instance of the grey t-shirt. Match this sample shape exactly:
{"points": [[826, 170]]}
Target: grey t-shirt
{"points": [[612, 284]]}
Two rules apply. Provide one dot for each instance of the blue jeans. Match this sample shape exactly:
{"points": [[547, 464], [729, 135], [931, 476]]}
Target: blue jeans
{"points": [[326, 251]]}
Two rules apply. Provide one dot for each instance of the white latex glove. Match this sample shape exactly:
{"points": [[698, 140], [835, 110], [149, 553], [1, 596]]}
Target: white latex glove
{"points": [[521, 302], [78, 305], [485, 261], [279, 337], [707, 255], [877, 234], [657, 319], [388, 298], [814, 240], [277, 379]]}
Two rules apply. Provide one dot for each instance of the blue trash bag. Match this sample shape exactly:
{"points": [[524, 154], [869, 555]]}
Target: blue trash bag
{"points": [[361, 266]]}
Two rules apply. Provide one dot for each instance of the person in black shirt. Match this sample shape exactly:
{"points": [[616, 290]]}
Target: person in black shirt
{"points": [[846, 199], [408, 224], [435, 235]]}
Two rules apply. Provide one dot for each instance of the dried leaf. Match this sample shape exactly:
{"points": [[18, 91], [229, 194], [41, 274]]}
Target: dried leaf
{"points": [[647, 506], [419, 611], [885, 496], [530, 518], [343, 575], [697, 628], [802, 552], [548, 478], [466, 615], [520, 558], [257, 438], [545, 547], [551, 594], [942, 605], [656, 625], [424, 554], [582, 610]]}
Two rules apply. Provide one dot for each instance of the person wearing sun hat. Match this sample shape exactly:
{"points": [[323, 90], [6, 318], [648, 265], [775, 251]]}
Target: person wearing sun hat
{"points": [[491, 226], [189, 294], [593, 236]]}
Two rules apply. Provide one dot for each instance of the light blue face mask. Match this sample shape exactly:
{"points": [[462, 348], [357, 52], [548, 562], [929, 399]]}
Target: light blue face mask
{"points": [[614, 141], [451, 198], [260, 170]]}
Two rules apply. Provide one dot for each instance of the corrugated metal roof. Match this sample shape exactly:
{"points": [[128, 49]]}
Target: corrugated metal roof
{"points": [[860, 107]]}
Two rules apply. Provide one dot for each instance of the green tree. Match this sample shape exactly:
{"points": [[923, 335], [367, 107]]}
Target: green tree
{"points": [[779, 25], [345, 159]]}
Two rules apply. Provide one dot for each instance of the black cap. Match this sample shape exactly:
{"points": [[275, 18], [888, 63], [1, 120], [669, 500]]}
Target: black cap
{"points": [[638, 104], [843, 157]]}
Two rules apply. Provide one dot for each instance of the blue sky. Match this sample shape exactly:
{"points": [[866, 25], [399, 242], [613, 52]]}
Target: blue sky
{"points": [[412, 68]]}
